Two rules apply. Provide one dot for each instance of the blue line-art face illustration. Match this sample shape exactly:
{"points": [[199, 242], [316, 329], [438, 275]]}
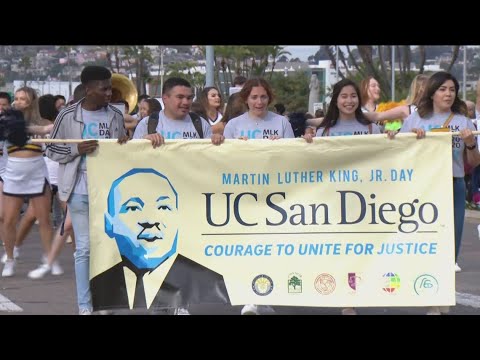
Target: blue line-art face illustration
{"points": [[143, 219]]}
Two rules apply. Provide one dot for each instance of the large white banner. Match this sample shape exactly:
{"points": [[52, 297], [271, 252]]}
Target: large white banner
{"points": [[344, 221]]}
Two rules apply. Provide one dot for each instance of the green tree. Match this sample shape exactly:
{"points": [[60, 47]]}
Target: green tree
{"points": [[291, 90], [376, 61], [276, 53], [183, 70], [139, 58], [248, 61], [295, 281]]}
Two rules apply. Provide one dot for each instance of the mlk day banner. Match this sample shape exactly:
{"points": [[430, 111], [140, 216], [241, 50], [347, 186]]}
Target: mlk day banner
{"points": [[344, 221]]}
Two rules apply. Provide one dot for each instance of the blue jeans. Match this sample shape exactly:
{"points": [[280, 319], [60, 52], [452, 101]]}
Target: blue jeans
{"points": [[459, 194], [78, 208]]}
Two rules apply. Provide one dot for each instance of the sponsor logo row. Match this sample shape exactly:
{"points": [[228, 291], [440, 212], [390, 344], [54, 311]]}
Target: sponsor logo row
{"points": [[326, 284]]}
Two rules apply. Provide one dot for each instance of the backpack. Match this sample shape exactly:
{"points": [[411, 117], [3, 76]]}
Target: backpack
{"points": [[297, 120], [153, 122]]}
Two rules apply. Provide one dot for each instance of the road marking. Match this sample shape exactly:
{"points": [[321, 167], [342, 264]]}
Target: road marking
{"points": [[468, 300], [8, 306]]}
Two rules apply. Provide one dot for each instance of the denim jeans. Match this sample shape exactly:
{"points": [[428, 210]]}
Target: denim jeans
{"points": [[78, 207], [459, 194]]}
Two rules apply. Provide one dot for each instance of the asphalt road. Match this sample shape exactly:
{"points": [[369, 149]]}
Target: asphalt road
{"points": [[55, 295]]}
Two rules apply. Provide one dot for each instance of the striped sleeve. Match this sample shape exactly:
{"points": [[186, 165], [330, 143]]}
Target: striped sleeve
{"points": [[62, 153]]}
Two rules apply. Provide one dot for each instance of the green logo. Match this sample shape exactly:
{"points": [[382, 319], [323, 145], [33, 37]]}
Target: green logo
{"points": [[294, 283]]}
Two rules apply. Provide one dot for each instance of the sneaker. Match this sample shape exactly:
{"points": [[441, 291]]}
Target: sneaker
{"points": [[434, 310], [250, 309], [84, 312], [39, 272], [56, 268], [181, 311], [457, 268], [349, 311], [16, 254], [9, 268]]}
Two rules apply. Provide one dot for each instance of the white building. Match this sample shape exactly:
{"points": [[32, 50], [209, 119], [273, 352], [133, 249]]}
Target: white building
{"points": [[48, 87], [327, 75]]}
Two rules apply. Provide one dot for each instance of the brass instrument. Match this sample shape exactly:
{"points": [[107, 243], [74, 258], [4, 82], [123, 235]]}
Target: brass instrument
{"points": [[124, 88]]}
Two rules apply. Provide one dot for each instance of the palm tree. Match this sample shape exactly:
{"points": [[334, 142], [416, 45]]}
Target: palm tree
{"points": [[277, 52], [140, 57]]}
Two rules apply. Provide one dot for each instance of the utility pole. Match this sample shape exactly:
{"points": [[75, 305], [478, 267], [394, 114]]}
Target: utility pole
{"points": [[393, 72], [336, 63], [69, 74], [162, 71], [210, 67], [464, 87]]}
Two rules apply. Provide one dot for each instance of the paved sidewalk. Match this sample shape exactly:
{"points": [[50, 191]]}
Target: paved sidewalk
{"points": [[475, 214]]}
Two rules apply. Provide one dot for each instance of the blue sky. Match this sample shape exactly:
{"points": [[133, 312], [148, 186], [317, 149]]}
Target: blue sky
{"points": [[302, 51]]}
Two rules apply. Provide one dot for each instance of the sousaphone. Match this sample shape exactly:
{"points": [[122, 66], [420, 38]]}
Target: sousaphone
{"points": [[124, 89]]}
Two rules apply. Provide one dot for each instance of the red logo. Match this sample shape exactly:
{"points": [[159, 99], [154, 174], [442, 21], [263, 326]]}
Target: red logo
{"points": [[325, 284]]}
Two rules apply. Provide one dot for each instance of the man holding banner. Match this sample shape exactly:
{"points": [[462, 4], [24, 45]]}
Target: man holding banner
{"points": [[92, 118], [175, 121]]}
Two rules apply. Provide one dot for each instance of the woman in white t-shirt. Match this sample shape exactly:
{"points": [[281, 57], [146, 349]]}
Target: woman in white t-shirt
{"points": [[345, 118], [440, 108]]}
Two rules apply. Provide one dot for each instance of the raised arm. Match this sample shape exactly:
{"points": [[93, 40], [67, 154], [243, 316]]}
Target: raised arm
{"points": [[399, 112], [315, 121], [39, 130], [130, 121]]}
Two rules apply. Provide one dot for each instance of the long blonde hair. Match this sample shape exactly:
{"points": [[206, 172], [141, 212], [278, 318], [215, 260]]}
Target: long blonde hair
{"points": [[32, 112], [416, 89]]}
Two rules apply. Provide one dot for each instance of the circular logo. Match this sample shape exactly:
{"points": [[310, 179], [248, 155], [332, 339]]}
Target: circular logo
{"points": [[325, 284], [392, 282], [262, 285], [426, 285]]}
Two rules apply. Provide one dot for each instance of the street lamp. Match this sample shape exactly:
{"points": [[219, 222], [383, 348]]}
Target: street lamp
{"points": [[162, 71], [69, 74]]}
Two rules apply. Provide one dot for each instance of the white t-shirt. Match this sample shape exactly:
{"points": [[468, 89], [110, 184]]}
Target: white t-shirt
{"points": [[434, 121], [271, 125], [173, 129], [96, 127], [349, 127]]}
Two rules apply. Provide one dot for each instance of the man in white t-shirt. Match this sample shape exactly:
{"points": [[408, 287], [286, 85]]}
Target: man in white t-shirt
{"points": [[175, 120]]}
